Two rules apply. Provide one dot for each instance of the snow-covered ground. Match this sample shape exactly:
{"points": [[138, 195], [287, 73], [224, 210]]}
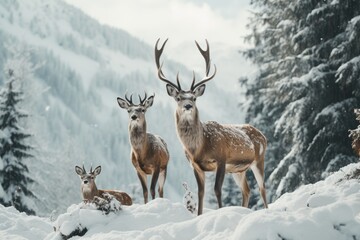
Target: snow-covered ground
{"points": [[329, 209]]}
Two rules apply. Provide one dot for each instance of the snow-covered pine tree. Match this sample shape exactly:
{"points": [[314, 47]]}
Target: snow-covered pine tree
{"points": [[355, 134], [308, 83], [14, 149]]}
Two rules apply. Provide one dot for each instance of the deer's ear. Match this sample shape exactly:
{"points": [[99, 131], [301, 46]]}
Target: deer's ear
{"points": [[97, 170], [171, 90], [78, 170], [149, 102], [199, 91], [122, 103]]}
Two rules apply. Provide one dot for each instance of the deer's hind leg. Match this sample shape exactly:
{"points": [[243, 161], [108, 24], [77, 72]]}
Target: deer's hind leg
{"points": [[162, 178], [240, 179], [258, 169], [219, 180]]}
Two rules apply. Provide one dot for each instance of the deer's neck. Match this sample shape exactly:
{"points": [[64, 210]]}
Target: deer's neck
{"points": [[89, 191], [137, 136], [190, 131]]}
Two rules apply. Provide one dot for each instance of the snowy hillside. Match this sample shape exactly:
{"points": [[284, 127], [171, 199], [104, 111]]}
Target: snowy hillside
{"points": [[329, 209], [84, 66]]}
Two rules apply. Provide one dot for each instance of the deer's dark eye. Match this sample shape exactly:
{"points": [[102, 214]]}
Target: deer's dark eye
{"points": [[129, 111], [143, 110], [194, 99], [178, 99]]}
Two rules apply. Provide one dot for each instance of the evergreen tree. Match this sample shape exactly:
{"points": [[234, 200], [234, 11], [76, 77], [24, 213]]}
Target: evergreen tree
{"points": [[308, 83], [14, 150]]}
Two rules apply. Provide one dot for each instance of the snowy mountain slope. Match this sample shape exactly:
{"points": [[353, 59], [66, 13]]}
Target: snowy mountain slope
{"points": [[328, 209], [75, 119]]}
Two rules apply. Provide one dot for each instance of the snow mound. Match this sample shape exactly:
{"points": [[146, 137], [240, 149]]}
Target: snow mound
{"points": [[328, 209], [87, 219]]}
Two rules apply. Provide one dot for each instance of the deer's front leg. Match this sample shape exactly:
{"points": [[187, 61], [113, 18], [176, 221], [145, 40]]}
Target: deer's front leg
{"points": [[141, 175], [154, 180], [142, 178], [219, 179], [200, 179]]}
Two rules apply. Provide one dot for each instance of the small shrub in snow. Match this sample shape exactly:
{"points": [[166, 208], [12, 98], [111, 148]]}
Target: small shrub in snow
{"points": [[188, 199], [353, 174], [107, 203], [355, 134]]}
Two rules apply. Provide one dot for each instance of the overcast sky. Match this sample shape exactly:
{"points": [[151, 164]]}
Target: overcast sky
{"points": [[222, 22], [179, 20]]}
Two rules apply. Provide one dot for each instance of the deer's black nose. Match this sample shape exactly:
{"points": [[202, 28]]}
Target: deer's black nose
{"points": [[86, 182], [188, 106], [133, 117]]}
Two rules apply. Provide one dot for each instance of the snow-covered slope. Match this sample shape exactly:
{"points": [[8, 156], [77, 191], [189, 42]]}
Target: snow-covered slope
{"points": [[329, 209], [84, 66]]}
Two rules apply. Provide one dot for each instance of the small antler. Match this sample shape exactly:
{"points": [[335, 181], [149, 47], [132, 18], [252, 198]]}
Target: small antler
{"points": [[142, 100], [161, 75], [206, 55], [83, 168], [129, 100]]}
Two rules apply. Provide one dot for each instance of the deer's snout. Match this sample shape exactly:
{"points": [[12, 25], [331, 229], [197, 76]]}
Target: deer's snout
{"points": [[188, 106], [133, 117], [86, 181]]}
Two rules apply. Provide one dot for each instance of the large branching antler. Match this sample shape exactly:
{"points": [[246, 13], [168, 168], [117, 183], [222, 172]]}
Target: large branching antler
{"points": [[206, 55], [161, 75]]}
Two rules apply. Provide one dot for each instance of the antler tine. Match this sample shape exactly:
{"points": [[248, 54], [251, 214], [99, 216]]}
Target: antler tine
{"points": [[83, 168], [193, 82], [129, 100], [206, 55], [142, 100], [161, 75], [158, 52], [178, 80], [91, 168]]}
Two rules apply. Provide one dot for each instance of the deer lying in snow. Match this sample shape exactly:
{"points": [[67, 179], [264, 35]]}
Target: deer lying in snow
{"points": [[149, 153], [210, 146], [89, 189]]}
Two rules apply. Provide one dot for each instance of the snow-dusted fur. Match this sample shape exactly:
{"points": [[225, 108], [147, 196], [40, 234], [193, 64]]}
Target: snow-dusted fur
{"points": [[149, 153], [210, 146], [90, 191]]}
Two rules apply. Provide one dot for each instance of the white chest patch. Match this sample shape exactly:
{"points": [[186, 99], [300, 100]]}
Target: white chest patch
{"points": [[86, 189]]}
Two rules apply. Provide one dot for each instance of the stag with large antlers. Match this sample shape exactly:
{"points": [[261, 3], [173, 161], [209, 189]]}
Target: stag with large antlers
{"points": [[89, 189], [149, 153], [211, 146]]}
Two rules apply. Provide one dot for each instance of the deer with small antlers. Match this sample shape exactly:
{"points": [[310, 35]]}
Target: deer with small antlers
{"points": [[89, 189], [211, 146], [149, 153]]}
